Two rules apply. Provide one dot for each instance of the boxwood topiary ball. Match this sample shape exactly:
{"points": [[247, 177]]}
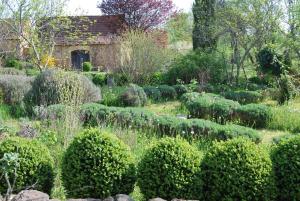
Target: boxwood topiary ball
{"points": [[97, 165], [237, 170], [170, 169], [286, 161], [35, 165]]}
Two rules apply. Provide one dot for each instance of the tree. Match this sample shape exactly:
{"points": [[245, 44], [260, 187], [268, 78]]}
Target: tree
{"points": [[204, 23], [247, 25], [142, 55], [140, 14], [35, 24], [180, 27]]}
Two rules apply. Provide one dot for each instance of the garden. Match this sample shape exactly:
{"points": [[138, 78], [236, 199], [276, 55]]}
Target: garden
{"points": [[218, 122]]}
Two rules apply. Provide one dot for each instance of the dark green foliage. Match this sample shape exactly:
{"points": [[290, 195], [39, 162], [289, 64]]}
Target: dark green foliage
{"points": [[170, 169], [97, 165], [13, 63], [269, 61], [221, 110], [212, 106], [287, 89], [136, 118], [244, 97], [99, 79], [180, 89], [204, 24], [157, 78], [87, 66], [133, 96], [204, 67], [237, 170], [35, 165], [167, 92], [286, 163], [153, 93], [47, 88], [254, 115]]}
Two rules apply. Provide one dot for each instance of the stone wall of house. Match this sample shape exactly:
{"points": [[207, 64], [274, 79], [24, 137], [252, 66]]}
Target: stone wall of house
{"points": [[102, 56]]}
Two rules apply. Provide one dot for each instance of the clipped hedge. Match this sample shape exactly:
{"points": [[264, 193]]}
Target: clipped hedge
{"points": [[286, 162], [254, 115], [169, 169], [221, 110], [153, 93], [35, 165], [211, 106], [136, 118], [97, 165], [167, 92], [237, 170], [244, 97], [133, 96]]}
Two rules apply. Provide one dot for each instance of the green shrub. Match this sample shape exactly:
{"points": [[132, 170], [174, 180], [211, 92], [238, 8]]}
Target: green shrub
{"points": [[157, 78], [237, 170], [244, 97], [167, 92], [269, 61], [111, 95], [153, 93], [32, 71], [13, 63], [35, 165], [133, 96], [223, 110], [211, 106], [137, 118], [180, 89], [87, 66], [99, 79], [14, 88], [286, 163], [50, 87], [97, 165], [203, 67], [254, 115], [170, 169]]}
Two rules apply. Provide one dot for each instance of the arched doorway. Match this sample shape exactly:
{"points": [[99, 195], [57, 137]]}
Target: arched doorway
{"points": [[79, 57]]}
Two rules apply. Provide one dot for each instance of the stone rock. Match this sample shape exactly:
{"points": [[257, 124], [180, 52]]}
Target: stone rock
{"points": [[88, 199], [183, 200], [31, 195], [122, 197], [157, 199], [109, 199]]}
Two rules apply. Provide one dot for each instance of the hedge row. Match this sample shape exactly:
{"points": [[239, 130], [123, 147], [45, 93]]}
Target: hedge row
{"points": [[95, 114], [165, 92], [244, 97], [219, 109], [237, 169]]}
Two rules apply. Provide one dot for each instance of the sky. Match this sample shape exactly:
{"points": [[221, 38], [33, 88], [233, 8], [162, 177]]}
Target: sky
{"points": [[89, 7]]}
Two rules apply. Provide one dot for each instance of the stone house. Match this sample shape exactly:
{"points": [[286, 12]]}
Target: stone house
{"points": [[94, 40], [85, 38]]}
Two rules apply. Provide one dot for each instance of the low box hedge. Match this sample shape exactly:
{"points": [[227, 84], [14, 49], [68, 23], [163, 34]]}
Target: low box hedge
{"points": [[221, 110], [244, 97], [140, 119]]}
